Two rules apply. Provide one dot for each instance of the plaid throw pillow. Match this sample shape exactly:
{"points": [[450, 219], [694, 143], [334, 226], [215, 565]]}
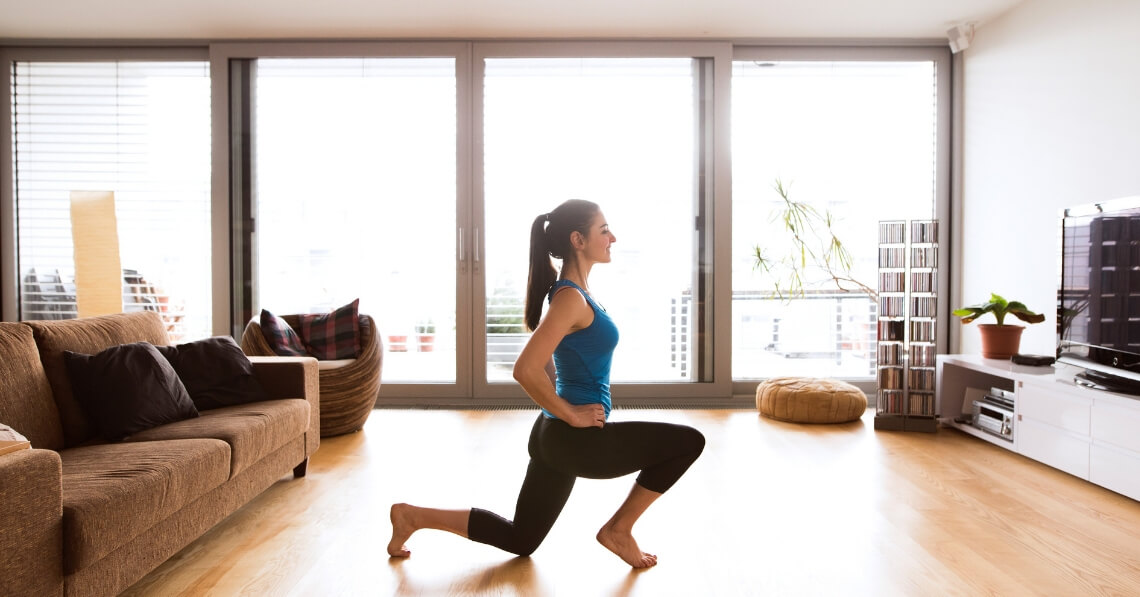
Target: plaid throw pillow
{"points": [[333, 335], [281, 338]]}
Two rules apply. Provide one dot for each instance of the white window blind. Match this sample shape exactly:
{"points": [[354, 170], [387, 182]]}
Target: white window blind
{"points": [[141, 130]]}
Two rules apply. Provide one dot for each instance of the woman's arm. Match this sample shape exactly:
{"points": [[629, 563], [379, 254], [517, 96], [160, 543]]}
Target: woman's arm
{"points": [[533, 370]]}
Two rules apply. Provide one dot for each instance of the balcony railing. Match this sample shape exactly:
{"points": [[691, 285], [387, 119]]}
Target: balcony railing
{"points": [[821, 331]]}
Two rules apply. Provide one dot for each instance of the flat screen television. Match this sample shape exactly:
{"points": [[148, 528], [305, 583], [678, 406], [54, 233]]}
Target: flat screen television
{"points": [[1098, 299]]}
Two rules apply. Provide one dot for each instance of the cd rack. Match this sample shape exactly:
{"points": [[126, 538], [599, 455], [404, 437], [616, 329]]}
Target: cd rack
{"points": [[907, 323]]}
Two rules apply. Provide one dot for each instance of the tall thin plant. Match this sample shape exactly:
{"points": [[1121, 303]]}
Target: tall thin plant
{"points": [[814, 245]]}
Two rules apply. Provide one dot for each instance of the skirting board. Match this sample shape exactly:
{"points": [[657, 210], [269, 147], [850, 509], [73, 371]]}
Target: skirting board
{"points": [[901, 423]]}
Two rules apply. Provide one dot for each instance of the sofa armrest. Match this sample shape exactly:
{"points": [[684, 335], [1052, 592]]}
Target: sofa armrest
{"points": [[31, 523], [293, 377]]}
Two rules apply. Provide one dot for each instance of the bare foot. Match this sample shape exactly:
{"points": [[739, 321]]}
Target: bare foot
{"points": [[402, 528], [625, 547]]}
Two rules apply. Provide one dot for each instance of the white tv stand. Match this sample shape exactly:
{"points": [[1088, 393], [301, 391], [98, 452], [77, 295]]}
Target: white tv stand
{"points": [[1092, 434]]}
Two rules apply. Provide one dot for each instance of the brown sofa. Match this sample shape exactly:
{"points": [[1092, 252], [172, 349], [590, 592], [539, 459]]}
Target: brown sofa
{"points": [[83, 516]]}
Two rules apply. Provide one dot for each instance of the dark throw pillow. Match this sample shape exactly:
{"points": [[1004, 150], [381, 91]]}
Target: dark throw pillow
{"points": [[281, 338], [127, 388], [215, 372], [332, 335]]}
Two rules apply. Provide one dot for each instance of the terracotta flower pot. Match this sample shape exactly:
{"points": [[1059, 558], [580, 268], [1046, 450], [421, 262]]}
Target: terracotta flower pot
{"points": [[397, 344], [1000, 341]]}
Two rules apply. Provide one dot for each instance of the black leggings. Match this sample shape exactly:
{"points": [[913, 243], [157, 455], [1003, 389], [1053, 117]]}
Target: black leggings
{"points": [[560, 453]]}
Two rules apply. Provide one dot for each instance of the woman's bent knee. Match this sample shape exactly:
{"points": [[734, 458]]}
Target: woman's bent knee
{"points": [[526, 547], [694, 441]]}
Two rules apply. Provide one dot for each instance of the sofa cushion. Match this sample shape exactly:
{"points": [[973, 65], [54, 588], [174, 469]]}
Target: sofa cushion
{"points": [[88, 335], [215, 372], [333, 335], [128, 388], [114, 492], [252, 431], [26, 401], [281, 338]]}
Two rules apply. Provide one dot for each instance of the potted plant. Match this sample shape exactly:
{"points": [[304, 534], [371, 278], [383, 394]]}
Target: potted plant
{"points": [[506, 332], [1000, 340], [425, 335], [814, 252]]}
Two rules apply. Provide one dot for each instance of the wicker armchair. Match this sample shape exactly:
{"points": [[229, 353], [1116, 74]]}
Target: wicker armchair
{"points": [[348, 393]]}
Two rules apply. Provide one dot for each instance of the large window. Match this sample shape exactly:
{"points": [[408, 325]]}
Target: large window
{"points": [[407, 174], [857, 142], [140, 130], [619, 132], [355, 191]]}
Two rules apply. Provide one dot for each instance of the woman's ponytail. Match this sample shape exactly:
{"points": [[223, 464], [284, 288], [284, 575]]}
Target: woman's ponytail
{"points": [[550, 237], [541, 275]]}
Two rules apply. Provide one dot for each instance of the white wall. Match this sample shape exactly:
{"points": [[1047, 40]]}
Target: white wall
{"points": [[1051, 118]]}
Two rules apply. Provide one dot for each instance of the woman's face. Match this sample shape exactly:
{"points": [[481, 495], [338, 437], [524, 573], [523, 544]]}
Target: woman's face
{"points": [[597, 242]]}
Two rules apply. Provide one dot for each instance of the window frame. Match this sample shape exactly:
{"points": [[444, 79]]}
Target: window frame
{"points": [[717, 203], [940, 55], [227, 230], [9, 245], [233, 265]]}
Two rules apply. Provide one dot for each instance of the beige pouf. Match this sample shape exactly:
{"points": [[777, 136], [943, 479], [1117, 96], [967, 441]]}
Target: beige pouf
{"points": [[810, 400]]}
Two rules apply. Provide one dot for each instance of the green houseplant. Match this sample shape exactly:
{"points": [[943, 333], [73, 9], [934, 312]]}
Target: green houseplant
{"points": [[425, 335], [814, 250], [1000, 340]]}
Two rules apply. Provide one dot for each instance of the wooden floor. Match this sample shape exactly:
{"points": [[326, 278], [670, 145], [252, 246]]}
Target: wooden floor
{"points": [[769, 509]]}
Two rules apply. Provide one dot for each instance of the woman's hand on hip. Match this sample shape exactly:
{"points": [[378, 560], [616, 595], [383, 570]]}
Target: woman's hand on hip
{"points": [[586, 415]]}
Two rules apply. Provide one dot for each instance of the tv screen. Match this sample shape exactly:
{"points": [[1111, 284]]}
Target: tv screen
{"points": [[1098, 301]]}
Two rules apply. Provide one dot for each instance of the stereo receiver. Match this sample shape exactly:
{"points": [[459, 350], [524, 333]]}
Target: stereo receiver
{"points": [[993, 418]]}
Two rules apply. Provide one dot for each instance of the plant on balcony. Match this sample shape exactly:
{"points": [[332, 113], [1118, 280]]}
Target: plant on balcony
{"points": [[505, 312], [999, 340], [425, 335], [814, 246]]}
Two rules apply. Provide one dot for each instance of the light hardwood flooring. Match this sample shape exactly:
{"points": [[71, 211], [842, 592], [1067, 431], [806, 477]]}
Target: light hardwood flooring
{"points": [[770, 508]]}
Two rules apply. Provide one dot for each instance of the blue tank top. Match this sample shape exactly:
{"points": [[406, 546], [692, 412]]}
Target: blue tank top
{"points": [[583, 358]]}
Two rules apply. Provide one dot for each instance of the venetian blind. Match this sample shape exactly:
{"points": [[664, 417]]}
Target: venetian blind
{"points": [[140, 130]]}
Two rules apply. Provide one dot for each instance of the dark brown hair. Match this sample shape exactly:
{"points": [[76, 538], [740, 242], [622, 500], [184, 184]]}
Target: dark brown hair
{"points": [[550, 237]]}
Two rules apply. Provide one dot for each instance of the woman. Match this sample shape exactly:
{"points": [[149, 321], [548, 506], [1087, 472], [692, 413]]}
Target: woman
{"points": [[565, 369]]}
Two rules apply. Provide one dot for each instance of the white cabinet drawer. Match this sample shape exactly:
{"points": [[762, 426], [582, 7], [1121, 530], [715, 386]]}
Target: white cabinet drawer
{"points": [[1059, 409], [1116, 425], [1054, 447], [1115, 469]]}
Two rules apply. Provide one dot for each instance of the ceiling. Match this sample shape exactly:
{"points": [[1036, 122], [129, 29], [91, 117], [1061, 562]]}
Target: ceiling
{"points": [[482, 19]]}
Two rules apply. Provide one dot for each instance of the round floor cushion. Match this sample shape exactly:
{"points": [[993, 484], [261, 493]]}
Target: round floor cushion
{"points": [[810, 400]]}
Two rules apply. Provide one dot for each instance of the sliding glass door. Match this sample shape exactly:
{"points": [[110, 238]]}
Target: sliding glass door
{"points": [[619, 132], [408, 175], [409, 180], [849, 138], [635, 128], [355, 197]]}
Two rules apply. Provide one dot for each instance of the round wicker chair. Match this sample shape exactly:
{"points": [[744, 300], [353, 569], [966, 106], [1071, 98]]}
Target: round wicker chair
{"points": [[348, 393]]}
